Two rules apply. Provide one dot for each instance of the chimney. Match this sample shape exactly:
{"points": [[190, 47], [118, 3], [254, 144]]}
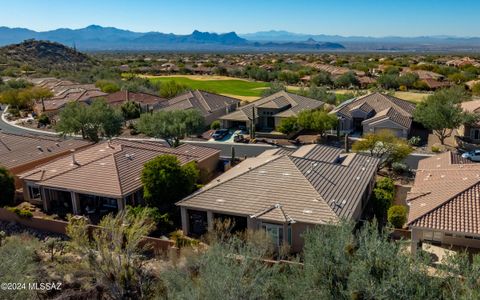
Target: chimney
{"points": [[74, 161]]}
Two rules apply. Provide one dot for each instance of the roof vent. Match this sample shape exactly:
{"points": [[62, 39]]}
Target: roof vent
{"points": [[39, 148], [129, 156], [307, 211], [57, 144], [338, 204], [74, 161], [220, 200]]}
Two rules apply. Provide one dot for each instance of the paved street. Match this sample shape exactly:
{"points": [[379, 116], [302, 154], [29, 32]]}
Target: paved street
{"points": [[9, 128]]}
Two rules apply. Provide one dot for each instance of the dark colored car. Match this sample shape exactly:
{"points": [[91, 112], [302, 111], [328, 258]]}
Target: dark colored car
{"points": [[219, 134]]}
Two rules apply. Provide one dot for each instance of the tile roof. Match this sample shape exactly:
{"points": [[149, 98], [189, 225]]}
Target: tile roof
{"points": [[18, 150], [471, 106], [390, 114], [290, 104], [120, 97], [434, 84], [65, 91], [205, 102], [315, 184], [110, 169], [386, 106], [445, 194]]}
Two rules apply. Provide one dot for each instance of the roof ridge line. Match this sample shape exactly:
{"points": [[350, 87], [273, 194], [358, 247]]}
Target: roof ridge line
{"points": [[405, 113], [203, 101], [116, 169], [69, 170], [310, 183], [162, 152], [229, 179]]}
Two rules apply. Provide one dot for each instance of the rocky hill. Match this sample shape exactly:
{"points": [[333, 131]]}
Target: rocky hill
{"points": [[44, 55]]}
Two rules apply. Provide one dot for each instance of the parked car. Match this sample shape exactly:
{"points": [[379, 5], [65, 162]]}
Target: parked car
{"points": [[239, 138], [472, 155], [219, 134]]}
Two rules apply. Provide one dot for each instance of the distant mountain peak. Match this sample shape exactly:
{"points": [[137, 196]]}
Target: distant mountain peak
{"points": [[94, 26]]}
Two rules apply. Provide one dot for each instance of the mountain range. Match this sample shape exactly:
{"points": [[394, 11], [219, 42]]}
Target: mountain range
{"points": [[359, 43], [98, 38], [95, 37]]}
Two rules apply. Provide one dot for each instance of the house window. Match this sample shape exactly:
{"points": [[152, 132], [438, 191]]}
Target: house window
{"points": [[475, 133], [437, 236], [34, 192], [434, 236], [275, 232]]}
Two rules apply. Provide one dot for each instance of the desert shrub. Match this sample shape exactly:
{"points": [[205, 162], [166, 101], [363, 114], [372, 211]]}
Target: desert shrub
{"points": [[399, 168], [435, 149], [414, 140], [382, 198], [44, 120], [22, 213], [7, 187], [397, 215], [215, 125], [14, 112], [181, 240]]}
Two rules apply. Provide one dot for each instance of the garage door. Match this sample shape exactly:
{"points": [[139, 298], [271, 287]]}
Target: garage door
{"points": [[397, 132]]}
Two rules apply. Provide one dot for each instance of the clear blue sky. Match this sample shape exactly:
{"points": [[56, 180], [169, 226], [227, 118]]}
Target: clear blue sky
{"points": [[347, 17]]}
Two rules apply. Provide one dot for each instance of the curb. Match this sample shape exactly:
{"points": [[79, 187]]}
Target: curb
{"points": [[25, 128]]}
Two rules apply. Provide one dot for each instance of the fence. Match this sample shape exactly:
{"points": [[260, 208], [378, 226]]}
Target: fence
{"points": [[58, 226]]}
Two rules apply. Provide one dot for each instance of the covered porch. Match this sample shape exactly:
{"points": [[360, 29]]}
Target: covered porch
{"points": [[196, 223], [63, 202]]}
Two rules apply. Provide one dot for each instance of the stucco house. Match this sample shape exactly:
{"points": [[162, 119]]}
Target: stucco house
{"points": [[105, 177], [211, 106], [20, 153], [470, 131], [445, 202], [268, 112], [284, 191], [374, 112]]}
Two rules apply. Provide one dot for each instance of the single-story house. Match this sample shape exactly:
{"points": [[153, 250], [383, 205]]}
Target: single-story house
{"points": [[148, 102], [470, 131], [434, 84], [104, 177], [284, 191], [19, 153], [374, 112], [445, 202], [211, 106], [269, 111]]}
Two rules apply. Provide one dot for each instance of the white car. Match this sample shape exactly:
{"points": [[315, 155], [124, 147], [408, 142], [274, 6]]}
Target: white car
{"points": [[472, 155]]}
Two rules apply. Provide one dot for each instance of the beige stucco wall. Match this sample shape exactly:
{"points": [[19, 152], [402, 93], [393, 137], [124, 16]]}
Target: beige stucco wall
{"points": [[208, 167], [386, 124], [457, 239]]}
